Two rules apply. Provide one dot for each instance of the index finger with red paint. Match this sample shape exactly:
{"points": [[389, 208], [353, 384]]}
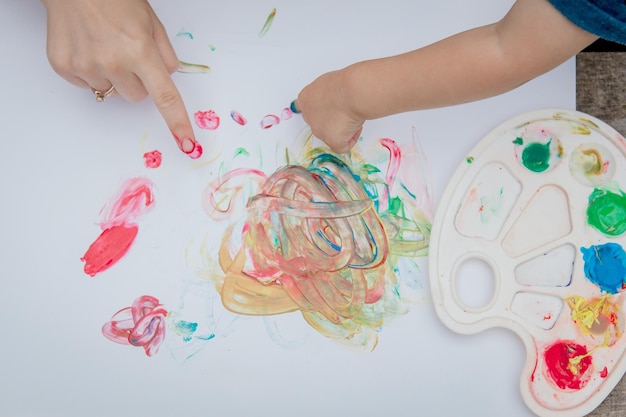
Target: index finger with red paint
{"points": [[169, 102]]}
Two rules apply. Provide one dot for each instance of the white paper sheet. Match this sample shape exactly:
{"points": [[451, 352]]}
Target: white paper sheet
{"points": [[63, 156]]}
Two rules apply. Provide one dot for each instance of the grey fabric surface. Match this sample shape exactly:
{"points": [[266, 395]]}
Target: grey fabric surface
{"points": [[601, 92]]}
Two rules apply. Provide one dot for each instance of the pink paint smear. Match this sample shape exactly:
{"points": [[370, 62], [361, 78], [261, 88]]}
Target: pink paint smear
{"points": [[141, 325], [118, 225]]}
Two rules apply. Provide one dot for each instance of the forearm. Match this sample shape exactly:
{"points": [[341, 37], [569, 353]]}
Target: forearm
{"points": [[469, 66]]}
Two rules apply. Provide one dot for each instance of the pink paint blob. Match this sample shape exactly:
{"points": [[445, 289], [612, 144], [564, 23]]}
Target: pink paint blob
{"points": [[286, 114], [237, 117], [118, 228], [269, 121], [207, 119], [108, 248], [142, 324], [153, 159]]}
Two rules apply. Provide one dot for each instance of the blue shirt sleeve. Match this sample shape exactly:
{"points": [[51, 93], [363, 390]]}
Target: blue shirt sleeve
{"points": [[603, 18]]}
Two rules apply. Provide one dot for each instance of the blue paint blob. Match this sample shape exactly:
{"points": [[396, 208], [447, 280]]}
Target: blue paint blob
{"points": [[186, 329], [605, 266]]}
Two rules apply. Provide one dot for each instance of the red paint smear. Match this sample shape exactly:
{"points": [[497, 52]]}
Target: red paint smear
{"points": [[237, 117], [153, 159], [604, 373], [207, 119], [108, 248], [118, 227], [565, 366], [269, 121], [142, 324]]}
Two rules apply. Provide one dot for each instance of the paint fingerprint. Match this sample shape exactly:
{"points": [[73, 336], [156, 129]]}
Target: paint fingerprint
{"points": [[605, 266], [599, 318], [207, 119], [606, 211], [153, 159], [141, 325], [189, 68], [118, 225], [268, 23], [270, 120], [238, 118], [568, 365]]}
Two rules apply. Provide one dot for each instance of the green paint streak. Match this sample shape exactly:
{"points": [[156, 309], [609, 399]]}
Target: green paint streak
{"points": [[241, 151], [518, 141], [370, 169], [536, 156], [607, 211]]}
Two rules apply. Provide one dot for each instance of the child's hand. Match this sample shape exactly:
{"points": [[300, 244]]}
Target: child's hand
{"points": [[325, 107], [121, 44]]}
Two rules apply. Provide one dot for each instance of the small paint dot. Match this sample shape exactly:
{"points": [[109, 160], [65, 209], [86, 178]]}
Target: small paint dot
{"points": [[153, 159], [238, 118], [269, 121], [469, 159]]}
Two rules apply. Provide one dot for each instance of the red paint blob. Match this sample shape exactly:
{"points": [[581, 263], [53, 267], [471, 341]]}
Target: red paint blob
{"points": [[153, 159], [207, 119], [108, 248], [567, 365], [237, 117], [269, 121], [604, 373]]}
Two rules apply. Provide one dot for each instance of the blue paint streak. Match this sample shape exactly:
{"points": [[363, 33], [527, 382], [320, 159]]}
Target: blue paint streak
{"points": [[404, 187], [605, 266]]}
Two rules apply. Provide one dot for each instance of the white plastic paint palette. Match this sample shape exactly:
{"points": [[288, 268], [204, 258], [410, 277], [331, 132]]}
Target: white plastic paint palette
{"points": [[533, 222]]}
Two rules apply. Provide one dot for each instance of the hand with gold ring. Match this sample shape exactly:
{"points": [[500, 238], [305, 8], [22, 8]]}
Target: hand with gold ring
{"points": [[119, 47]]}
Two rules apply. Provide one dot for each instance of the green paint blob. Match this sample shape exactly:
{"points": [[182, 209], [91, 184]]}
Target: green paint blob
{"points": [[469, 159], [518, 141], [607, 211], [536, 156]]}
